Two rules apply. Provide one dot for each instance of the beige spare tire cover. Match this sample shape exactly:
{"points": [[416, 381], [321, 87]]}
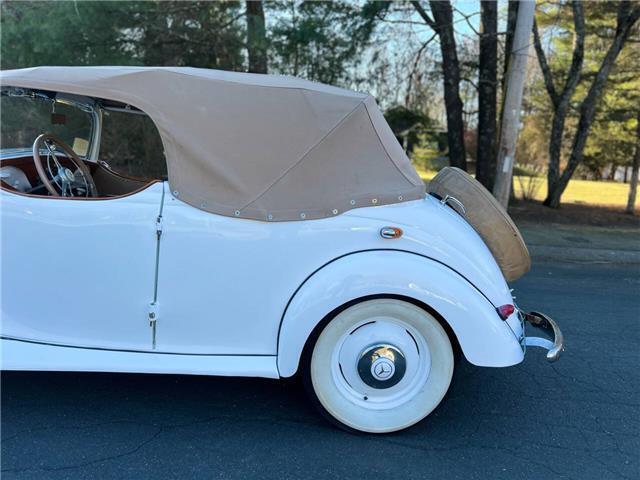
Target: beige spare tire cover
{"points": [[488, 218]]}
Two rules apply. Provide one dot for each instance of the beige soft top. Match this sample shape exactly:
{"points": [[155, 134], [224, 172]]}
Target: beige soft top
{"points": [[253, 146]]}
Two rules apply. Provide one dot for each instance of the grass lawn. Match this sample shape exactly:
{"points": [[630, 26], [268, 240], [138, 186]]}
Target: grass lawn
{"points": [[578, 191]]}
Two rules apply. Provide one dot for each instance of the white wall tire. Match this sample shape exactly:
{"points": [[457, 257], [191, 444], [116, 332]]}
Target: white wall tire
{"points": [[380, 366]]}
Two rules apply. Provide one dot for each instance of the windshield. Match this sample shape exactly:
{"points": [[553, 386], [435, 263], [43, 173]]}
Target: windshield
{"points": [[24, 118]]}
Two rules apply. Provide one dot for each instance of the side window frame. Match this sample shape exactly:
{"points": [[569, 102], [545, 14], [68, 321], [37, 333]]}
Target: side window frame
{"points": [[94, 148], [101, 109]]}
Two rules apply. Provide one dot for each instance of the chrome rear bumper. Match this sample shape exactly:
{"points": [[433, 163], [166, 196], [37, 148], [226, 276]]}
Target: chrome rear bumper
{"points": [[551, 338]]}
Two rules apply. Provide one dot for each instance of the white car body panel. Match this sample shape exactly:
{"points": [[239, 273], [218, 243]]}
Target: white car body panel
{"points": [[485, 339], [19, 355], [79, 272], [437, 231], [224, 283]]}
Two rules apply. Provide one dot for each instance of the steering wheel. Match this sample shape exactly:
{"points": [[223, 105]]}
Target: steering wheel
{"points": [[69, 183]]}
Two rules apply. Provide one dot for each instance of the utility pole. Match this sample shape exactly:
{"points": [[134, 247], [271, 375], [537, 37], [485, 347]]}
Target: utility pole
{"points": [[513, 101]]}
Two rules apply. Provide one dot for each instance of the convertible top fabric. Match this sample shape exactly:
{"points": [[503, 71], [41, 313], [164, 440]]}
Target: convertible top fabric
{"points": [[262, 147]]}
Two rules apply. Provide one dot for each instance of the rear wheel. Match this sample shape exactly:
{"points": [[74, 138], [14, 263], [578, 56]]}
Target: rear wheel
{"points": [[380, 366]]}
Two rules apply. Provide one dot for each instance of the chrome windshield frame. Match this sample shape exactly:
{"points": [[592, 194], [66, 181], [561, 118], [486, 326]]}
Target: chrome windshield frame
{"points": [[86, 104]]}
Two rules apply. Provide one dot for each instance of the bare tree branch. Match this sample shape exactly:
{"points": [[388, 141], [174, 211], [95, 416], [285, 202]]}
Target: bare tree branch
{"points": [[544, 66], [470, 82], [397, 22], [466, 18], [415, 67], [425, 16], [578, 52]]}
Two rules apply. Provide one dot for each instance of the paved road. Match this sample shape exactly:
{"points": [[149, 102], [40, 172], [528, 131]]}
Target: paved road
{"points": [[582, 243], [579, 418]]}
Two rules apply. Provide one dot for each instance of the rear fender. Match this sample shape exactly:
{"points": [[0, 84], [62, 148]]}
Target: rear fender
{"points": [[485, 339]]}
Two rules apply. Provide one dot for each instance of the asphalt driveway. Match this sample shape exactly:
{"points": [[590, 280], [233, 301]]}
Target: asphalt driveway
{"points": [[578, 418]]}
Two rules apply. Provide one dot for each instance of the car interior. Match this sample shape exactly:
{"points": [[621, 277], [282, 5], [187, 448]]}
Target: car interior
{"points": [[19, 175], [39, 163]]}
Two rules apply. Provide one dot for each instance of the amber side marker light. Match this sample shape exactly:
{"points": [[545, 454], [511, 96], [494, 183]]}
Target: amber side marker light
{"points": [[390, 232], [505, 311]]}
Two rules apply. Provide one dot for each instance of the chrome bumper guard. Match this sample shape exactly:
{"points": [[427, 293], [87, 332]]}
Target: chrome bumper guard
{"points": [[551, 339]]}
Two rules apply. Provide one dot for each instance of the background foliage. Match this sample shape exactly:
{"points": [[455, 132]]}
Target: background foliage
{"points": [[385, 48]]}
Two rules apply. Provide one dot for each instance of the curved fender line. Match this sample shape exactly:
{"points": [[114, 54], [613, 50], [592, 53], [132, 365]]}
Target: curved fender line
{"points": [[284, 313], [487, 341]]}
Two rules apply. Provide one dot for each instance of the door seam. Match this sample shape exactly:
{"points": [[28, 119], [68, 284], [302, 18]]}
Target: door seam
{"points": [[153, 307]]}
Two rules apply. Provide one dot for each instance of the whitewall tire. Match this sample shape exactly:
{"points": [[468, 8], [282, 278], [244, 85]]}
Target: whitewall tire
{"points": [[380, 366]]}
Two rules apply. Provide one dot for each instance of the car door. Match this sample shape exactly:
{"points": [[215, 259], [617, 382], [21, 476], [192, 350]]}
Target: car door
{"points": [[79, 272], [224, 282]]}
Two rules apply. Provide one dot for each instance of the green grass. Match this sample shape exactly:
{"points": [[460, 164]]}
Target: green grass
{"points": [[578, 191], [426, 175]]}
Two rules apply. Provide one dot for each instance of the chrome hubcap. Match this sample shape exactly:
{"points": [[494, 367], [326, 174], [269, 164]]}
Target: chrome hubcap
{"points": [[381, 363], [382, 366]]}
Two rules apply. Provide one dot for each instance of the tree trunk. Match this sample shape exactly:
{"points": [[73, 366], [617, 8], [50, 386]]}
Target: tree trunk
{"points": [[633, 186], [626, 20], [488, 84], [561, 101], [512, 16], [256, 38], [443, 16], [442, 24]]}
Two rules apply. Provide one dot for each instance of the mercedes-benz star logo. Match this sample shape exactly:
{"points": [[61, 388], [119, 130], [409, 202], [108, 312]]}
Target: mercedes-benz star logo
{"points": [[383, 369]]}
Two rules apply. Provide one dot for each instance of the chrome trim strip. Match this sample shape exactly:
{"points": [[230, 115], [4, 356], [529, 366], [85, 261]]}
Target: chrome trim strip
{"points": [[126, 350]]}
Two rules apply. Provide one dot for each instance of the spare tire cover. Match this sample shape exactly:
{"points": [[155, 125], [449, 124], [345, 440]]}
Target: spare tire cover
{"points": [[488, 218]]}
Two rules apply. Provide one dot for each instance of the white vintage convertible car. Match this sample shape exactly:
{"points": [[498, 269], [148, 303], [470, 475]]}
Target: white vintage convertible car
{"points": [[274, 226]]}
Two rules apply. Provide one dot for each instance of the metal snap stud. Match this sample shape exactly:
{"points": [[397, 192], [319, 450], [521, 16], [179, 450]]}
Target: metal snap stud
{"points": [[352, 202], [374, 200], [303, 215], [176, 193], [400, 197], [335, 211], [270, 217], [237, 213]]}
